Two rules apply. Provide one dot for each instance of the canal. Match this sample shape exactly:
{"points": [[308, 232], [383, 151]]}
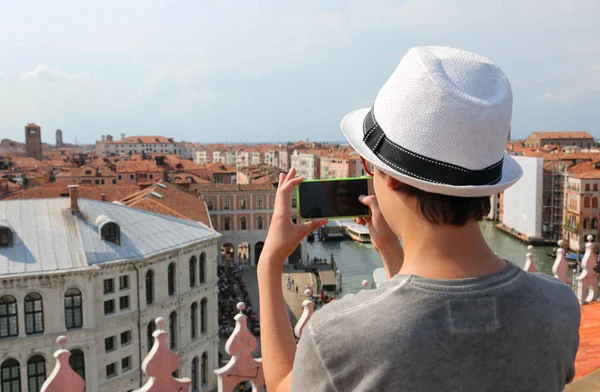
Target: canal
{"points": [[357, 261]]}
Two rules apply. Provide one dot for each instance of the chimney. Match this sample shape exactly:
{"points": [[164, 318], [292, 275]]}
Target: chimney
{"points": [[104, 196], [122, 136], [74, 196]]}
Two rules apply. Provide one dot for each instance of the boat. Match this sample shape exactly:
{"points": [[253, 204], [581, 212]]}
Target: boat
{"points": [[356, 232], [332, 231], [570, 257]]}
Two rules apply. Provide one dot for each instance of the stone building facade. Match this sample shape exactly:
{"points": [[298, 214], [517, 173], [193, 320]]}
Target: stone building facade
{"points": [[33, 141], [564, 139], [581, 208]]}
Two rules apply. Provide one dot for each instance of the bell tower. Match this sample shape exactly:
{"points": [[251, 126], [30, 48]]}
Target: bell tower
{"points": [[33, 141]]}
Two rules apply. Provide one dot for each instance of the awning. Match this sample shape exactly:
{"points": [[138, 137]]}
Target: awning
{"points": [[327, 278]]}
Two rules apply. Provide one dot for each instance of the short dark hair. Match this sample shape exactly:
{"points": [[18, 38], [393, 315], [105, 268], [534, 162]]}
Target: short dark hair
{"points": [[448, 210]]}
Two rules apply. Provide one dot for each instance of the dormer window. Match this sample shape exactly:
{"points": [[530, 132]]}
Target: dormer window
{"points": [[111, 232], [5, 237]]}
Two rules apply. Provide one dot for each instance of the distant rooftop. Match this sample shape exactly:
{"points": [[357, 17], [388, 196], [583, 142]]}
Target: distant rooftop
{"points": [[562, 135]]}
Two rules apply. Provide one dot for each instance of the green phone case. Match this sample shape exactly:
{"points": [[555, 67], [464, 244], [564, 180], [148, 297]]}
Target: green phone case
{"points": [[369, 178]]}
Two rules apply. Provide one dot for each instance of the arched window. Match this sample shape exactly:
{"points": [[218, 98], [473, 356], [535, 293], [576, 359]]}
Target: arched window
{"points": [[195, 384], [242, 223], [586, 202], [594, 202], [9, 324], [260, 204], [193, 263], [586, 223], [34, 313], [203, 315], [260, 223], [149, 287], [243, 204], [171, 278], [194, 320], [226, 223], [111, 232], [202, 267], [5, 237], [149, 331], [173, 329], [594, 223], [73, 309], [77, 362], [10, 376], [36, 373], [204, 369]]}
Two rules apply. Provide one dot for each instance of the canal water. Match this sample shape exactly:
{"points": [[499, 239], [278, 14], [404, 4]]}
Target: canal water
{"points": [[357, 261]]}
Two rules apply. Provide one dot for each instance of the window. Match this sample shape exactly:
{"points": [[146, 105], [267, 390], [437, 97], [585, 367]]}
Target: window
{"points": [[109, 286], [149, 331], [193, 262], [202, 267], [226, 203], [209, 204], [5, 237], [10, 376], [77, 362], [123, 282], [126, 363], [259, 223], [203, 315], [226, 223], [594, 202], [173, 329], [293, 203], [114, 181], [131, 176], [111, 232], [586, 223], [125, 337], [36, 373], [595, 187], [294, 220], [109, 344], [124, 302], [243, 204], [586, 202], [151, 176], [88, 172], [204, 370], [111, 370], [171, 278], [149, 287], [73, 309], [195, 384], [34, 313], [594, 223], [120, 177], [242, 223], [109, 307], [260, 204], [194, 320], [587, 187]]}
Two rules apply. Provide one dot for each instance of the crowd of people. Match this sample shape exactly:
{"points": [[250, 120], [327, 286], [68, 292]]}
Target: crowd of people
{"points": [[232, 289]]}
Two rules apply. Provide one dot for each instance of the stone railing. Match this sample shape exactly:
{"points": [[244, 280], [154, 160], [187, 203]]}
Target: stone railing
{"points": [[160, 363]]}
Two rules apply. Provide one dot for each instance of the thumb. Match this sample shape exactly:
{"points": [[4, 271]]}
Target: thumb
{"points": [[371, 202], [312, 225]]}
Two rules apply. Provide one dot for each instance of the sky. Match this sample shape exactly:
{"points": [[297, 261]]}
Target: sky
{"points": [[254, 71]]}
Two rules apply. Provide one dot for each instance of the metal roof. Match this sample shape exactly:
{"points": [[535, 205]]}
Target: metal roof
{"points": [[47, 237]]}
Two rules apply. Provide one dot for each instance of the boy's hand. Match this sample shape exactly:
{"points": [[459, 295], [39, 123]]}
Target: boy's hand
{"points": [[284, 235], [382, 236]]}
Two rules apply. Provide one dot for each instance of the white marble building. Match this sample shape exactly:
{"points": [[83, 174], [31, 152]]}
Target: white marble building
{"points": [[100, 273]]}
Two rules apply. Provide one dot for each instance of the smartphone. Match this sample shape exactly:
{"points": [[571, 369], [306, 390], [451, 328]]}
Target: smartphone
{"points": [[333, 198]]}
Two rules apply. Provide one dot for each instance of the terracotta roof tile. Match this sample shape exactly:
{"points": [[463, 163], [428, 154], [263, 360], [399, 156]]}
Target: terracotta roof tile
{"points": [[562, 135], [114, 192], [588, 356]]}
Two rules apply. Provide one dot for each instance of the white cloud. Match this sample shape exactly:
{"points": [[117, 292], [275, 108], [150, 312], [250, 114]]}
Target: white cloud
{"points": [[47, 74]]}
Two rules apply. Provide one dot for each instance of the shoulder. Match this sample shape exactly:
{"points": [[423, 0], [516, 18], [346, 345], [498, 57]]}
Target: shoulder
{"points": [[553, 291], [354, 306]]}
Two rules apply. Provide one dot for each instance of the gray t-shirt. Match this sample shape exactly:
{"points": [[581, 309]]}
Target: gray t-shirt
{"points": [[509, 331]]}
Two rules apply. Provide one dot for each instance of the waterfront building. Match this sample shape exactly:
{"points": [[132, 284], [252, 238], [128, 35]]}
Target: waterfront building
{"points": [[135, 145], [242, 214], [306, 164], [100, 273], [522, 214], [33, 141], [564, 139]]}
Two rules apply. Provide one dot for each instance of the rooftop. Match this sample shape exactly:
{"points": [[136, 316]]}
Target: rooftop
{"points": [[588, 356], [55, 190], [47, 237], [562, 135]]}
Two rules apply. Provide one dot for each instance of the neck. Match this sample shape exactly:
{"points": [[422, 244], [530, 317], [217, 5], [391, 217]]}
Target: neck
{"points": [[447, 252]]}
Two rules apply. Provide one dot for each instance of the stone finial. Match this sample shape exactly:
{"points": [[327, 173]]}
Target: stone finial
{"points": [[365, 283], [160, 363], [241, 367], [587, 280], [560, 266], [529, 261], [308, 307], [63, 378]]}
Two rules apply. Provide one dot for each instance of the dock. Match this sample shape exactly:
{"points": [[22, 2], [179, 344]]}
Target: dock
{"points": [[292, 299]]}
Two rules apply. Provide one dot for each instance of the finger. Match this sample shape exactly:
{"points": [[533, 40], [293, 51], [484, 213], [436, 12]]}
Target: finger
{"points": [[313, 225], [369, 201], [291, 184], [291, 174], [360, 221], [281, 178]]}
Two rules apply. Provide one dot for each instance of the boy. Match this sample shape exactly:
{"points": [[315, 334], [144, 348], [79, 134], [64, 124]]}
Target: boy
{"points": [[452, 316]]}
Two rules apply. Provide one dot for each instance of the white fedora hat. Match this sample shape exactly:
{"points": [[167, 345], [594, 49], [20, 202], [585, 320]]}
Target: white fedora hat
{"points": [[440, 124]]}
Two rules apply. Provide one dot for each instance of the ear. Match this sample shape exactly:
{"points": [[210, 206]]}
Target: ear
{"points": [[392, 183]]}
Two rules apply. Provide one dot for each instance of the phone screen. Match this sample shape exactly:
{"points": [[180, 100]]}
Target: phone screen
{"points": [[329, 199]]}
